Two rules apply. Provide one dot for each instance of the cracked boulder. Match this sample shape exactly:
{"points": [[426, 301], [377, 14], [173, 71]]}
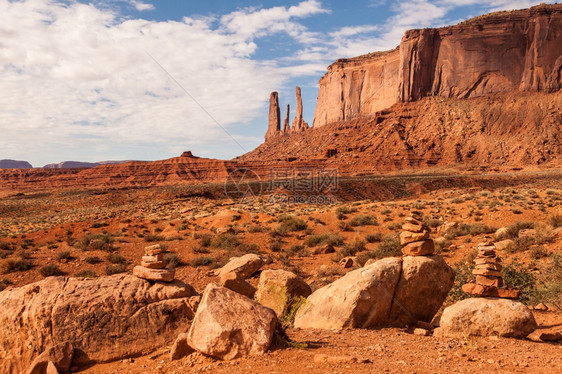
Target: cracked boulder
{"points": [[388, 292], [104, 319]]}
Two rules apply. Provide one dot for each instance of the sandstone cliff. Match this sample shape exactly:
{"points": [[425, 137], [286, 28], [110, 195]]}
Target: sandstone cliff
{"points": [[499, 52]]}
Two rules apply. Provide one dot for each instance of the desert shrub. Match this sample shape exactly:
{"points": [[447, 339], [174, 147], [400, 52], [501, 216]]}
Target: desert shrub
{"points": [[550, 289], [539, 252], [85, 274], [63, 255], [4, 246], [97, 225], [115, 269], [520, 244], [225, 241], [275, 245], [395, 226], [345, 226], [256, 228], [50, 270], [202, 261], [290, 223], [468, 229], [236, 217], [363, 220], [388, 247], [321, 239], [204, 239], [513, 230], [116, 258], [349, 249], [95, 242], [373, 238], [555, 220], [431, 222], [463, 275], [343, 211], [521, 278], [93, 260], [440, 245], [26, 243], [151, 238], [287, 318], [17, 264], [200, 249], [173, 260], [5, 254]]}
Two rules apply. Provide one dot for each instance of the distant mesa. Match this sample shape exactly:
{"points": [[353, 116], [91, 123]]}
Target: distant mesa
{"points": [[188, 154], [14, 164], [80, 164]]}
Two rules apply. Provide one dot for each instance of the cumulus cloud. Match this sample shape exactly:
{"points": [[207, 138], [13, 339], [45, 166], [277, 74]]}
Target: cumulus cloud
{"points": [[77, 81], [140, 6]]}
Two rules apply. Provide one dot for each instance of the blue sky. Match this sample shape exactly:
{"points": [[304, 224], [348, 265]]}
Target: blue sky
{"points": [[146, 80]]}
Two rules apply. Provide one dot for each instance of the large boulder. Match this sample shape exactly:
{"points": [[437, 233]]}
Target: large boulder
{"points": [[362, 298], [486, 317], [244, 266], [388, 292], [278, 289], [104, 319], [424, 284], [228, 325]]}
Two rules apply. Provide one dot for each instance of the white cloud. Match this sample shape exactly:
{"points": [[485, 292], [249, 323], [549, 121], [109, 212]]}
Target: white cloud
{"points": [[140, 6], [76, 81]]}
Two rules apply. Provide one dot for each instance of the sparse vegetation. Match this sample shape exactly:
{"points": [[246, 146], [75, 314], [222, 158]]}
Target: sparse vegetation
{"points": [[50, 270], [115, 269], [321, 239], [202, 261], [85, 274], [363, 220]]}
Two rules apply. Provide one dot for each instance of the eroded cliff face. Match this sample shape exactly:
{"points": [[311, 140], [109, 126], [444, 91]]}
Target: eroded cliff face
{"points": [[500, 52]]}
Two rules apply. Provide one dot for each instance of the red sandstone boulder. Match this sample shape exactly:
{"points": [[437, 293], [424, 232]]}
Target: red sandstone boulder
{"points": [[228, 325]]}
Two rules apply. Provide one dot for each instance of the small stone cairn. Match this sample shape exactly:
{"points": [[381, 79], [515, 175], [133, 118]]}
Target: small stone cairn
{"points": [[153, 265], [415, 237], [488, 275]]}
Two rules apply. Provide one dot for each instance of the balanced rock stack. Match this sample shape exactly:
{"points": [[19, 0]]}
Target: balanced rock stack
{"points": [[488, 271], [415, 237], [153, 266]]}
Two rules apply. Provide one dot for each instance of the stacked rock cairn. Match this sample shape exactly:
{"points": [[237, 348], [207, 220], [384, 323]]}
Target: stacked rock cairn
{"points": [[488, 271], [415, 237], [153, 266]]}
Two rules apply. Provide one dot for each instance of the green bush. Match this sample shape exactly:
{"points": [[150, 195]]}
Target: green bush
{"points": [[321, 239], [151, 238], [63, 255], [290, 223], [225, 241], [463, 275], [50, 270], [116, 258], [85, 274], [95, 242], [373, 238], [17, 264], [388, 247], [173, 260], [521, 278], [202, 261], [115, 269], [363, 220], [350, 249], [93, 260], [555, 220]]}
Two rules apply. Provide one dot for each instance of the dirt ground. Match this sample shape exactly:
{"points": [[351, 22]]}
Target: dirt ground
{"points": [[49, 227]]}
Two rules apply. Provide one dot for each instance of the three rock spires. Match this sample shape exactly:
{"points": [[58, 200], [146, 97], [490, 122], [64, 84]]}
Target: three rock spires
{"points": [[274, 127]]}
